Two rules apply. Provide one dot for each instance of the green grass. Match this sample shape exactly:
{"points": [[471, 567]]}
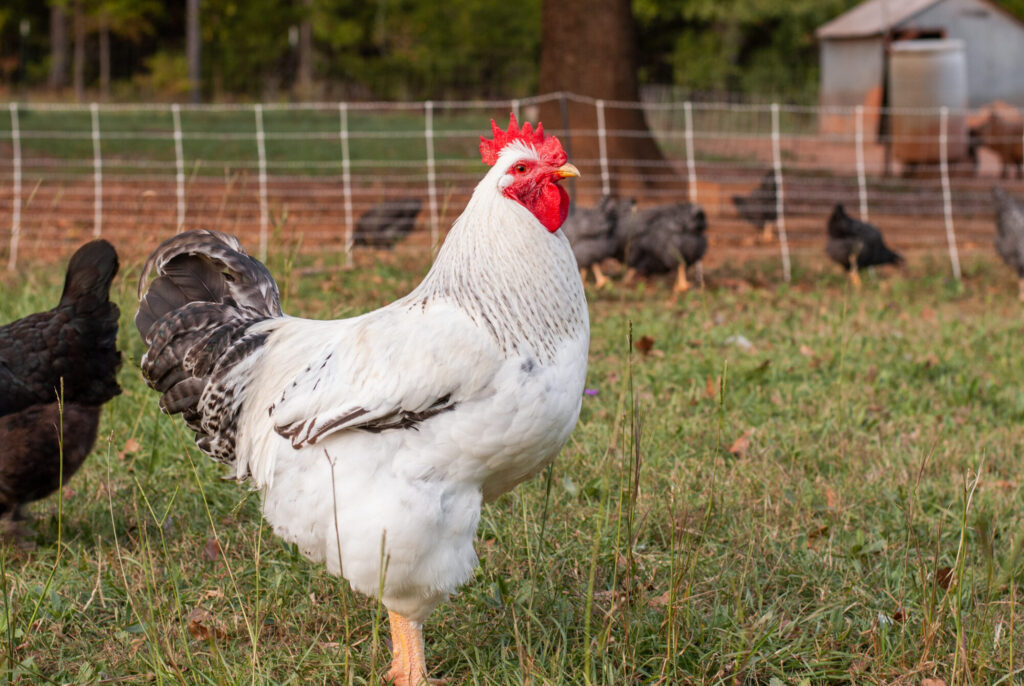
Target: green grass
{"points": [[298, 141], [871, 526]]}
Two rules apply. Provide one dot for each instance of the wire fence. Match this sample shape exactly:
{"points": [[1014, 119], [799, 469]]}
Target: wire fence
{"points": [[307, 173]]}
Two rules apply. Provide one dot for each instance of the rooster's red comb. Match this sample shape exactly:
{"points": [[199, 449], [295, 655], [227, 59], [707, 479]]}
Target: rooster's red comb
{"points": [[549, 148]]}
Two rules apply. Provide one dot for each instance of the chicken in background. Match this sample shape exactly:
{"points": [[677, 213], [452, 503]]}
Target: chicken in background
{"points": [[759, 206], [854, 245], [57, 368], [594, 237], [374, 440], [1010, 234], [665, 238], [387, 222]]}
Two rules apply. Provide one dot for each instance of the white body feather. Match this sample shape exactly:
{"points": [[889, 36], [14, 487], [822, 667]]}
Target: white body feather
{"points": [[498, 331]]}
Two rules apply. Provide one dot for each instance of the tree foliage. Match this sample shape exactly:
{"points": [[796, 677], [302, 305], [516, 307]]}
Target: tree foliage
{"points": [[424, 48]]}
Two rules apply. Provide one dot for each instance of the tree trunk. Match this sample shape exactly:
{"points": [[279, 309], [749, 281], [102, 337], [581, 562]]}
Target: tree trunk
{"points": [[305, 69], [58, 48], [588, 47], [193, 50], [104, 30], [78, 65]]}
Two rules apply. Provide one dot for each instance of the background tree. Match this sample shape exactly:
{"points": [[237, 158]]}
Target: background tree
{"points": [[58, 47], [765, 47], [193, 49], [129, 20], [78, 62], [413, 49], [589, 47], [304, 75]]}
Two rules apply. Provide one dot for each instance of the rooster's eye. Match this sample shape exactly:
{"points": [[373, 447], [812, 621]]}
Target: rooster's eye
{"points": [[521, 168]]}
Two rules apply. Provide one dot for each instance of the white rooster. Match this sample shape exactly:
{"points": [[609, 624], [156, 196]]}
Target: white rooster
{"points": [[374, 440]]}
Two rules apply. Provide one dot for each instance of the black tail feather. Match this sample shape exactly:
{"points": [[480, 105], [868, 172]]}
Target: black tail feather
{"points": [[195, 316], [204, 266]]}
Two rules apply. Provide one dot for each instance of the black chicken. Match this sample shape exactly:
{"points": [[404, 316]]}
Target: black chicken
{"points": [[387, 222], [759, 207], [663, 238], [68, 353], [593, 235], [1010, 233], [854, 244]]}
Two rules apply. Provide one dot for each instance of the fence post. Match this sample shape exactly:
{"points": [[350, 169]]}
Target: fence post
{"points": [[16, 190], [515, 107], [346, 183], [691, 164], [179, 161], [780, 220], [947, 195], [563, 108], [602, 147], [862, 182], [428, 108], [97, 172], [261, 149]]}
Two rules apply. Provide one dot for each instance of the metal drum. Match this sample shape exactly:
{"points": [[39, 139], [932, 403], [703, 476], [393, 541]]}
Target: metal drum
{"points": [[925, 75]]}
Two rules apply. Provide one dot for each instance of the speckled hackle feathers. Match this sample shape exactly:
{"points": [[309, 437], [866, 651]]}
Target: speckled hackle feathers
{"points": [[195, 317], [548, 147]]}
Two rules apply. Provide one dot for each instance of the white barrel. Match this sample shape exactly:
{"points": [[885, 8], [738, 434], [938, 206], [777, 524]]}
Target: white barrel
{"points": [[925, 75]]}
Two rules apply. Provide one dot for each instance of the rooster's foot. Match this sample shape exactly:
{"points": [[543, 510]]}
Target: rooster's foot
{"points": [[600, 279], [682, 284]]}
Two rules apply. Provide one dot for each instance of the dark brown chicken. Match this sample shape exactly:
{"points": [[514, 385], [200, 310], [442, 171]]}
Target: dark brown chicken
{"points": [[759, 206], [65, 355], [387, 222]]}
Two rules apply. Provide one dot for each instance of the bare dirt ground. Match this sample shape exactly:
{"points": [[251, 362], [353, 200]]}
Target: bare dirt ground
{"points": [[307, 214]]}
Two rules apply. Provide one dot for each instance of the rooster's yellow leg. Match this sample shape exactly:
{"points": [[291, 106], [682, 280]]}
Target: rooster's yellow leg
{"points": [[409, 666], [583, 275], [600, 279], [766, 232], [682, 284], [855, 277], [1021, 290]]}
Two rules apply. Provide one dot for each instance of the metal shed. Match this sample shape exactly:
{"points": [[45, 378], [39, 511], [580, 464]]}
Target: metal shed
{"points": [[853, 49]]}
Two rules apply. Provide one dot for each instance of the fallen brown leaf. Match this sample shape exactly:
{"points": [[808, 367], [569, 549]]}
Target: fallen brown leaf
{"points": [[710, 387], [944, 576], [831, 499], [130, 446], [204, 626], [806, 351], [212, 550], [932, 682], [740, 446], [659, 601], [817, 532], [644, 345], [871, 373]]}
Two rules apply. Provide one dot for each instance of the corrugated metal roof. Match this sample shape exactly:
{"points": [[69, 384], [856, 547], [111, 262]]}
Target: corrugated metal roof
{"points": [[872, 18]]}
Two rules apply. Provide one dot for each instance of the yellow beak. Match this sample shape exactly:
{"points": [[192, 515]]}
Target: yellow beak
{"points": [[567, 170]]}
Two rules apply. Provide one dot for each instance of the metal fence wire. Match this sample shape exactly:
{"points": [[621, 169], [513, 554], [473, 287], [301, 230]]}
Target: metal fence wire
{"points": [[313, 174]]}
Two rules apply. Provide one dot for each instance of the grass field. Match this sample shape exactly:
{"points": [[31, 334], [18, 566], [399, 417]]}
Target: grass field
{"points": [[796, 485], [298, 141]]}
